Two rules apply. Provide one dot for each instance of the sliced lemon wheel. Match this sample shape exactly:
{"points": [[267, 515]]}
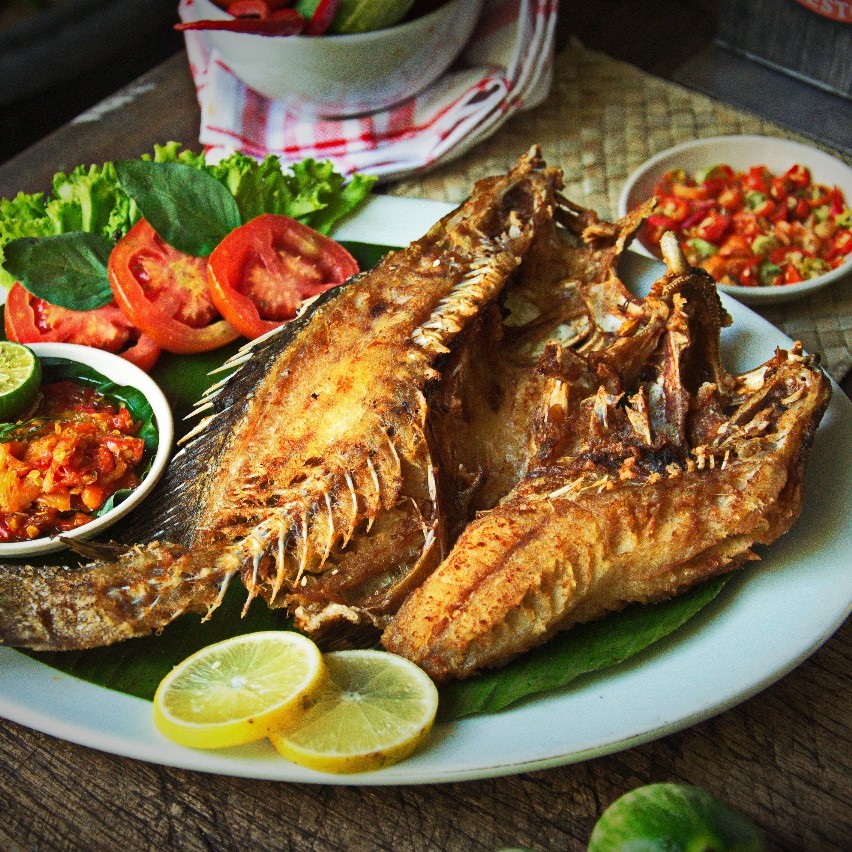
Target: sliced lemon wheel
{"points": [[20, 378], [238, 690], [373, 709]]}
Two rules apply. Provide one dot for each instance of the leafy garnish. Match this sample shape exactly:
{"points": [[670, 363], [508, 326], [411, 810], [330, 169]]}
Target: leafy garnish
{"points": [[187, 207], [583, 649], [69, 270], [174, 189]]}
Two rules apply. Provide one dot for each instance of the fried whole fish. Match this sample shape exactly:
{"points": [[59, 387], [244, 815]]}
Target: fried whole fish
{"points": [[311, 475], [654, 482], [481, 442]]}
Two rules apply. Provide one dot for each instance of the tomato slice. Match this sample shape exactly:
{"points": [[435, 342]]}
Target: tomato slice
{"points": [[263, 270], [164, 292], [28, 319]]}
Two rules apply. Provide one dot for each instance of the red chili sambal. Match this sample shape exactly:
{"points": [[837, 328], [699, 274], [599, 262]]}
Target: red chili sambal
{"points": [[59, 466]]}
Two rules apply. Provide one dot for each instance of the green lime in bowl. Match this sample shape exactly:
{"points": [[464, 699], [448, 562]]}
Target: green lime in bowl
{"points": [[20, 379]]}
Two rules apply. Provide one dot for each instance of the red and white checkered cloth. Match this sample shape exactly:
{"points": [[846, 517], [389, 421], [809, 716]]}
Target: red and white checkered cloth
{"points": [[506, 66]]}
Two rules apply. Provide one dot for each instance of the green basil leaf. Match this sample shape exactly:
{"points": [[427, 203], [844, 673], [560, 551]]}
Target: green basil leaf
{"points": [[69, 270], [583, 649], [187, 207]]}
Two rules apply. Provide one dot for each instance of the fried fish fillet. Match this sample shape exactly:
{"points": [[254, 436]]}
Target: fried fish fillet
{"points": [[656, 482]]}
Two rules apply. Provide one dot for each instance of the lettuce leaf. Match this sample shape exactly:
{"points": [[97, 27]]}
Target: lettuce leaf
{"points": [[91, 199]]}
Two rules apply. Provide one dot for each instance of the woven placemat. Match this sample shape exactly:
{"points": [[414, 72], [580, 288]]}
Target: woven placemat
{"points": [[602, 120]]}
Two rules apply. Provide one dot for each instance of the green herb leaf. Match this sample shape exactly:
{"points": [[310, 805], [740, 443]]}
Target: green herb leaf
{"points": [[69, 270], [674, 818], [186, 206], [585, 648]]}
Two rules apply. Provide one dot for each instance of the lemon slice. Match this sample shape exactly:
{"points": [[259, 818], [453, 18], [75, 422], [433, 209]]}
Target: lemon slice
{"points": [[20, 378], [373, 709], [238, 690]]}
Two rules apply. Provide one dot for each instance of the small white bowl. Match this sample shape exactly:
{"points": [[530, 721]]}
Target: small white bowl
{"points": [[122, 372], [335, 76], [742, 152]]}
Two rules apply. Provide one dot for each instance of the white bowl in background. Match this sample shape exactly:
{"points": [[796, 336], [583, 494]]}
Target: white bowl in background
{"points": [[334, 76], [122, 372], [742, 152]]}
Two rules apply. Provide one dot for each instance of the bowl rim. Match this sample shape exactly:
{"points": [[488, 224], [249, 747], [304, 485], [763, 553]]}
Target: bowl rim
{"points": [[755, 295], [123, 372], [393, 31]]}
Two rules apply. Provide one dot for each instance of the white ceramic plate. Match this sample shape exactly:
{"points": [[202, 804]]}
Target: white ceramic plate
{"points": [[742, 152], [122, 372], [779, 611]]}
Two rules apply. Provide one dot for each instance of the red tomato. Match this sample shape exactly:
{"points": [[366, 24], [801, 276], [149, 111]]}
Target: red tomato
{"points": [[731, 198], [735, 245], [757, 177], [673, 208], [164, 292], [712, 227], [766, 209], [262, 271], [745, 223], [29, 319]]}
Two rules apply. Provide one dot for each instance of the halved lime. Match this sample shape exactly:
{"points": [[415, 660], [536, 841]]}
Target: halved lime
{"points": [[20, 378]]}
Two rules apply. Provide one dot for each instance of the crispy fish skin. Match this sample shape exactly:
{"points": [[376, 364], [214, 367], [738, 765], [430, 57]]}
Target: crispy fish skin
{"points": [[646, 504], [310, 475], [136, 594]]}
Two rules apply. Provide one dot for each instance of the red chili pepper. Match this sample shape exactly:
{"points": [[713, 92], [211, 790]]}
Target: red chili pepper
{"points": [[778, 188], [712, 227], [699, 211], [322, 17], [798, 176], [784, 254], [749, 275], [836, 202], [731, 198], [798, 208], [674, 208], [735, 244], [249, 9], [841, 243], [766, 209], [826, 196], [282, 22], [757, 177], [255, 8], [792, 275]]}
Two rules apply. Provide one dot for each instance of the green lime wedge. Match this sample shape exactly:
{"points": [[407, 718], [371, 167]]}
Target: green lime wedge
{"points": [[20, 379], [362, 16]]}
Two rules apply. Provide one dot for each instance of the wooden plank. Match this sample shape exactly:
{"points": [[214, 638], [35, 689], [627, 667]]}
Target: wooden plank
{"points": [[161, 101]]}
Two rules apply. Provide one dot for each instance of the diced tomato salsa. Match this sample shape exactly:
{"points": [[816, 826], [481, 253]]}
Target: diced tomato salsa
{"points": [[61, 464], [753, 228]]}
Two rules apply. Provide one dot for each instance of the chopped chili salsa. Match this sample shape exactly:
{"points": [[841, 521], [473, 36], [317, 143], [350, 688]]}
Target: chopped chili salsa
{"points": [[753, 228], [60, 466]]}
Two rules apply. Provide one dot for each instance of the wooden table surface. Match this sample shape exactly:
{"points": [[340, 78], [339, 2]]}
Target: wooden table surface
{"points": [[782, 757]]}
